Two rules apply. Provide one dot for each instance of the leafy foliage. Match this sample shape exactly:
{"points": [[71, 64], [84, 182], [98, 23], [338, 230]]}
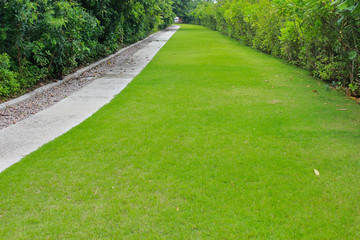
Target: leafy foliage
{"points": [[322, 36], [184, 8], [8, 82], [47, 39]]}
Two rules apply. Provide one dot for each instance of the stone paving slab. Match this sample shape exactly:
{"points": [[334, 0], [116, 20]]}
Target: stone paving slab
{"points": [[30, 134]]}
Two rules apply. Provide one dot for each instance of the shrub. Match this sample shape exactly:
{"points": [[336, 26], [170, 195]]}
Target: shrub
{"points": [[48, 39], [321, 36], [8, 79]]}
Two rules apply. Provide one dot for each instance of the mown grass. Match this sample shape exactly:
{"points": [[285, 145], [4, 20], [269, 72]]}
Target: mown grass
{"points": [[213, 140]]}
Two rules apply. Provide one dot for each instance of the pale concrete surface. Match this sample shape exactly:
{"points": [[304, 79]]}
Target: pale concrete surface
{"points": [[69, 77], [30, 134]]}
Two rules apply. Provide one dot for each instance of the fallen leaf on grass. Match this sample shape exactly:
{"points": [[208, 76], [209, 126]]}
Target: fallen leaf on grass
{"points": [[275, 101], [308, 86], [177, 209], [342, 109], [316, 172], [266, 80]]}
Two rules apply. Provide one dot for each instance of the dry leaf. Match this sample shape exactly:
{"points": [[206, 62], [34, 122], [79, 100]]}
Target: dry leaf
{"points": [[343, 109], [316, 172], [177, 209], [308, 85]]}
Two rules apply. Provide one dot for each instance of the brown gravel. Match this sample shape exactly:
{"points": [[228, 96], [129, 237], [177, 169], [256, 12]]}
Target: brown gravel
{"points": [[14, 114]]}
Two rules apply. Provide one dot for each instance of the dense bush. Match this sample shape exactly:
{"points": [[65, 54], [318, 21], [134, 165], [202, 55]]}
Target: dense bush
{"points": [[183, 9], [49, 38], [127, 21], [321, 35], [8, 79]]}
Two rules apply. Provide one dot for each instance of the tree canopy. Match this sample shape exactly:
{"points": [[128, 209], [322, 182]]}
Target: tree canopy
{"points": [[184, 9], [46, 39]]}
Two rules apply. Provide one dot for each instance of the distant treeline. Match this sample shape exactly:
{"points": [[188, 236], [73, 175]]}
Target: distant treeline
{"points": [[320, 35], [42, 39]]}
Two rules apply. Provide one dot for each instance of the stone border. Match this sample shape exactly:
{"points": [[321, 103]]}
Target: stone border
{"points": [[69, 77]]}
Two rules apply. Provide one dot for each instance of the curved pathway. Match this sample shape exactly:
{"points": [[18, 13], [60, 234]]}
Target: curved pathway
{"points": [[30, 134]]}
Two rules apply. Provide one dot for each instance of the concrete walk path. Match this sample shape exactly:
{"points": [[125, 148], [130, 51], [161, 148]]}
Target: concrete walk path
{"points": [[30, 134]]}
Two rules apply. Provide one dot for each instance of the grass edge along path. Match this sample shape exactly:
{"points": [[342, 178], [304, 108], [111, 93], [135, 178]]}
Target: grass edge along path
{"points": [[213, 140]]}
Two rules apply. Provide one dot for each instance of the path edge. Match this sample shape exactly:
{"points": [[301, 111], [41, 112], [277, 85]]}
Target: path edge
{"points": [[72, 76]]}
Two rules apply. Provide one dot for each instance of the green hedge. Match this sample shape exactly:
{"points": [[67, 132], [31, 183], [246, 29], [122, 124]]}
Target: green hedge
{"points": [[320, 35], [49, 38]]}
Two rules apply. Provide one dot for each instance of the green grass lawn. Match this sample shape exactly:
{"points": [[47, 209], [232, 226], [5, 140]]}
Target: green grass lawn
{"points": [[213, 140]]}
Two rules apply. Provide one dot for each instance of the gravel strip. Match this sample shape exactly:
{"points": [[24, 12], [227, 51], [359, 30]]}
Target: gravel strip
{"points": [[41, 101]]}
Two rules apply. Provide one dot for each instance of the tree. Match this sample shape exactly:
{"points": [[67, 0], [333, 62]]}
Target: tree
{"points": [[184, 9]]}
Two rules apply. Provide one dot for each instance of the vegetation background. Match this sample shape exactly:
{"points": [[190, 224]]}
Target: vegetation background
{"points": [[46, 39], [42, 39], [319, 35]]}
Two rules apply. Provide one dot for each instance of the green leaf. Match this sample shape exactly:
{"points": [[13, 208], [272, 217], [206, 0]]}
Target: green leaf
{"points": [[352, 55], [336, 2], [340, 20], [342, 6], [356, 10]]}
